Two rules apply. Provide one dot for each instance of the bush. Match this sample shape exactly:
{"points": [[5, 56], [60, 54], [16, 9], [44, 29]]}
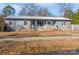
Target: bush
{"points": [[1, 23]]}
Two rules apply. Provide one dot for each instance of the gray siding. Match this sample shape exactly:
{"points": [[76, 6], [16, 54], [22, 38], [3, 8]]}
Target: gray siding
{"points": [[19, 24], [61, 25]]}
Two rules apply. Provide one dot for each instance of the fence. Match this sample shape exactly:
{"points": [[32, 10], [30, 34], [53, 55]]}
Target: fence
{"points": [[75, 27]]}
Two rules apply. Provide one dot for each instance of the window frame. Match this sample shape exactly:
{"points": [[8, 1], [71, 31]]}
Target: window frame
{"points": [[10, 22], [63, 22], [25, 22], [54, 22]]}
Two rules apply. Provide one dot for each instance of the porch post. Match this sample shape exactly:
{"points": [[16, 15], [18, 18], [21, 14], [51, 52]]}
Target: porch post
{"points": [[35, 24], [30, 25], [46, 24]]}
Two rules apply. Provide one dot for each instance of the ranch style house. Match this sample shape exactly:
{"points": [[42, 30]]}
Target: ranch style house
{"points": [[37, 22]]}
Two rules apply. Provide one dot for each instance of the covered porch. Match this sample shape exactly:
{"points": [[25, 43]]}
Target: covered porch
{"points": [[42, 24]]}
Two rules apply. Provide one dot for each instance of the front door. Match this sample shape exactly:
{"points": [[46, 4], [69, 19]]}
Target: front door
{"points": [[37, 24], [40, 24], [34, 24]]}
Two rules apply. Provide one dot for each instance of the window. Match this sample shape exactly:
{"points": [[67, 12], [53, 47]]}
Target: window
{"points": [[53, 22], [63, 22], [49, 22], [10, 22], [25, 22], [40, 23]]}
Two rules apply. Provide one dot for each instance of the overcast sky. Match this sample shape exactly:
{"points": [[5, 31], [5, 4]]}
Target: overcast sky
{"points": [[52, 7]]}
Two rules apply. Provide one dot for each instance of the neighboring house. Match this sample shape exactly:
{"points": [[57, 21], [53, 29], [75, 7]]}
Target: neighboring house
{"points": [[38, 22]]}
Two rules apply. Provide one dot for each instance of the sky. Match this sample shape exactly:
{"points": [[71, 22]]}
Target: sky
{"points": [[52, 7]]}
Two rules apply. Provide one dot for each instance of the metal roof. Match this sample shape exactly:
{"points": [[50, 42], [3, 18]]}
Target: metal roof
{"points": [[37, 17]]}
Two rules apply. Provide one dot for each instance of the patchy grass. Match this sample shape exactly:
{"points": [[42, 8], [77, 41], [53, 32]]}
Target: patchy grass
{"points": [[38, 46]]}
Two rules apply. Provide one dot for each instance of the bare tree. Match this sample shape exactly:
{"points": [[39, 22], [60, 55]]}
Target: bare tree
{"points": [[64, 6], [34, 10], [23, 11], [68, 13], [43, 12], [29, 9]]}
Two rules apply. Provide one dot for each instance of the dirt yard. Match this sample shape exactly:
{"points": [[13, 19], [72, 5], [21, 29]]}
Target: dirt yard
{"points": [[38, 46], [39, 33]]}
